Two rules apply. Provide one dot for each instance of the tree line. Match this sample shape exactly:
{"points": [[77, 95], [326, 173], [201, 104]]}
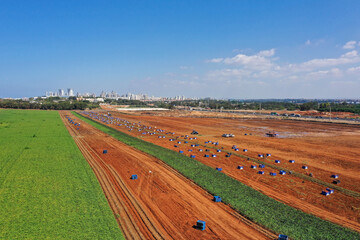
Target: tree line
{"points": [[56, 103], [48, 105], [334, 107], [264, 105]]}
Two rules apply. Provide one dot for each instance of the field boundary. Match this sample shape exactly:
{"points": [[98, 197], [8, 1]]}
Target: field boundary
{"points": [[249, 202]]}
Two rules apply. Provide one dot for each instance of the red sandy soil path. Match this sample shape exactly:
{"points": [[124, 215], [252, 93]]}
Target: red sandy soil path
{"points": [[324, 148], [161, 204]]}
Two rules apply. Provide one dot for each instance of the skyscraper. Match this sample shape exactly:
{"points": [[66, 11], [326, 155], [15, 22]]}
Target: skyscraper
{"points": [[70, 92]]}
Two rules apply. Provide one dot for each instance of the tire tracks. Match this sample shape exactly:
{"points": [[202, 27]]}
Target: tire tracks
{"points": [[130, 215]]}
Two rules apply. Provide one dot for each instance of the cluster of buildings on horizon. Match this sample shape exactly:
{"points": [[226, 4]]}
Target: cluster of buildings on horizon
{"points": [[61, 93], [92, 97], [112, 95]]}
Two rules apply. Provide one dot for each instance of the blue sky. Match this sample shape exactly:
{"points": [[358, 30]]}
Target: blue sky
{"points": [[221, 49]]}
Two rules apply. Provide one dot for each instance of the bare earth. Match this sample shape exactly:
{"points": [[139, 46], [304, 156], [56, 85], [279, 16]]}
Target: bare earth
{"points": [[161, 204], [325, 148]]}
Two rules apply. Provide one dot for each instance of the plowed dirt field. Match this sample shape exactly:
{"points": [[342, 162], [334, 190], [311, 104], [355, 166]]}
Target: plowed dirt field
{"points": [[161, 203], [324, 148]]}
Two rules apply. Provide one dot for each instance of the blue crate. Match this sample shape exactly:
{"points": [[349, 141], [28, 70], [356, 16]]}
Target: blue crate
{"points": [[201, 225], [217, 199], [283, 237]]}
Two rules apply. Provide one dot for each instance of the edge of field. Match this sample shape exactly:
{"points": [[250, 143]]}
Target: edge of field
{"points": [[254, 205], [47, 188]]}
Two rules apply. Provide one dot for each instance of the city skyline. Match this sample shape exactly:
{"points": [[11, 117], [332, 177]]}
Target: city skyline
{"points": [[227, 49], [144, 96], [108, 94]]}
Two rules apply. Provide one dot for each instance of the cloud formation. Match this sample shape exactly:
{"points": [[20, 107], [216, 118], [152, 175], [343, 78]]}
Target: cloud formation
{"points": [[326, 73], [315, 42], [259, 61], [354, 69], [349, 45], [347, 58], [264, 66], [264, 73]]}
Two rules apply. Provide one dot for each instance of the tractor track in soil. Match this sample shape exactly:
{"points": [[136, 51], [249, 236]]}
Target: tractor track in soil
{"points": [[141, 217], [127, 210]]}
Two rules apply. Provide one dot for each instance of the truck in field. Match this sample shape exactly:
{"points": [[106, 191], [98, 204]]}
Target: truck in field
{"points": [[228, 135]]}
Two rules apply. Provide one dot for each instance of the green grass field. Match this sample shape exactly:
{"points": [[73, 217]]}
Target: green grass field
{"points": [[254, 205], [47, 189]]}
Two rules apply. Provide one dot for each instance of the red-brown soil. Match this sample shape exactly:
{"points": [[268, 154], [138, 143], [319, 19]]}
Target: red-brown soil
{"points": [[325, 148], [161, 203], [336, 117]]}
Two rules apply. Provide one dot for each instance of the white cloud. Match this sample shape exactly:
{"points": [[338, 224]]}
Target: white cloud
{"points": [[254, 61], [351, 54], [354, 70], [215, 60], [315, 42], [262, 68], [258, 61], [347, 58], [267, 74], [267, 53], [349, 45], [334, 72]]}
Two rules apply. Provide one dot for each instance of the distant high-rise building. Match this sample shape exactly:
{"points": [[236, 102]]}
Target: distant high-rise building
{"points": [[70, 92], [113, 94], [50, 94], [61, 93]]}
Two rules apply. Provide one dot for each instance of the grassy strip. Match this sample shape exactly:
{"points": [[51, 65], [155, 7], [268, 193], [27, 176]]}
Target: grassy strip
{"points": [[249, 202], [47, 189]]}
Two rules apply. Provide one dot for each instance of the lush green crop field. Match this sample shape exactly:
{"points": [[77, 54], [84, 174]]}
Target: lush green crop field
{"points": [[256, 206], [47, 189]]}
